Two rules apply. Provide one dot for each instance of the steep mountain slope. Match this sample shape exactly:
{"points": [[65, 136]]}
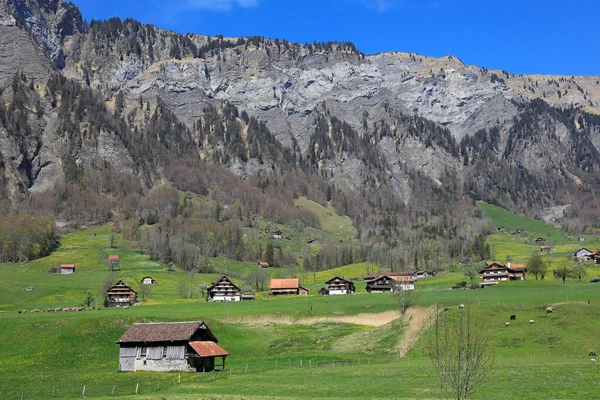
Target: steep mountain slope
{"points": [[390, 122]]}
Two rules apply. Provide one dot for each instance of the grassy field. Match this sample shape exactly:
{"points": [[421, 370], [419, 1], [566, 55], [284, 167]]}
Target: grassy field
{"points": [[277, 343]]}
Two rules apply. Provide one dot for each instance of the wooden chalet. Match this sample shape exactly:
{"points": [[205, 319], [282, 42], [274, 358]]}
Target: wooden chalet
{"points": [[323, 291], [147, 280], [390, 283], [121, 295], [67, 269], [262, 264], [287, 287], [495, 272], [545, 249], [277, 234], [170, 346], [224, 290], [540, 240], [339, 285]]}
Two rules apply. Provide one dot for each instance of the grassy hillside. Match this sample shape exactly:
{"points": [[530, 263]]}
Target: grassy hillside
{"points": [[273, 336]]}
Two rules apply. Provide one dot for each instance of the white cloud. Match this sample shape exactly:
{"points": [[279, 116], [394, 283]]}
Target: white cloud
{"points": [[382, 6], [221, 5]]}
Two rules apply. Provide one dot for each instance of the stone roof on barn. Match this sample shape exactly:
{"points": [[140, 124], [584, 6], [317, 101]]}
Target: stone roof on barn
{"points": [[164, 332], [67, 266], [208, 349]]}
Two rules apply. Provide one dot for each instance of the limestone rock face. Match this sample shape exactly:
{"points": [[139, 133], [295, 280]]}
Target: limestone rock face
{"points": [[288, 86]]}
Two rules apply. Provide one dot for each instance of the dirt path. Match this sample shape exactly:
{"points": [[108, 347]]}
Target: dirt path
{"points": [[418, 320], [373, 319]]}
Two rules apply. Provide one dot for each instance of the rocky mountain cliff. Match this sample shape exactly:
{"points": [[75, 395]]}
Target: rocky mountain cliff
{"points": [[527, 142]]}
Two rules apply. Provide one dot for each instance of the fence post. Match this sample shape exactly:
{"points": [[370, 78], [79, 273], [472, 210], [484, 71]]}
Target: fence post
{"points": [[52, 391], [275, 363], [83, 392], [309, 363], [179, 376], [22, 394], [229, 371], [158, 387], [300, 362], [113, 391], [246, 368], [289, 362]]}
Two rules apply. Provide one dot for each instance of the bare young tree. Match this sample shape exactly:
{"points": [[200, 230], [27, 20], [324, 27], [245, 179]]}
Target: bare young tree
{"points": [[406, 299], [459, 351]]}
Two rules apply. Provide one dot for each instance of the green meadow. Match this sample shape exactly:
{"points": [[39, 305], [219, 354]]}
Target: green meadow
{"points": [[286, 347]]}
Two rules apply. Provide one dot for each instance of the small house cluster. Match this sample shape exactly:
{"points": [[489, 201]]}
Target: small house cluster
{"points": [[390, 282], [584, 255], [495, 272], [170, 346]]}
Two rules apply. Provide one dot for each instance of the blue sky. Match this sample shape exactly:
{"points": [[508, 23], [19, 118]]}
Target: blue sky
{"points": [[521, 36]]}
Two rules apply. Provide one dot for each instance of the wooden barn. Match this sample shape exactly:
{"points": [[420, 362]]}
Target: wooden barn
{"points": [[67, 269], [339, 285], [287, 287], [224, 290], [170, 346], [121, 295]]}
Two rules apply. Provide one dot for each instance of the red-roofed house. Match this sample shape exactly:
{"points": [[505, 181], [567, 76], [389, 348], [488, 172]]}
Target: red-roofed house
{"points": [[287, 287], [262, 264], [67, 269], [113, 262]]}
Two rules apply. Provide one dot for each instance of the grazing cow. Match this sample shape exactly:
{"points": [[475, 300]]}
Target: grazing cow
{"points": [[531, 322], [592, 353], [549, 310], [19, 311], [35, 310], [593, 359], [461, 306], [507, 324], [126, 308], [446, 308], [513, 317]]}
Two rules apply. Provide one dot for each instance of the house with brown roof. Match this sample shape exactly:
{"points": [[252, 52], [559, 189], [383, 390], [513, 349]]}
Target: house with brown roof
{"points": [[287, 287], [170, 346], [263, 264], [495, 272], [224, 290], [67, 269], [545, 249], [121, 295], [339, 285]]}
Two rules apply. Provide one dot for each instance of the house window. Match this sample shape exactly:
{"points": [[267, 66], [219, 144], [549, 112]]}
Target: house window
{"points": [[144, 352], [164, 351]]}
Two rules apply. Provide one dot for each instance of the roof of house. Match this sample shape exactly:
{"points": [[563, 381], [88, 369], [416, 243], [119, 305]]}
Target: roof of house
{"points": [[337, 278], [67, 266], [223, 279], [263, 264], [293, 283], [113, 257], [163, 332], [517, 267], [208, 349], [120, 288]]}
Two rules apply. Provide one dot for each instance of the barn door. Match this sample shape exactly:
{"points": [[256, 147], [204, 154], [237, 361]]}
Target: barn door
{"points": [[126, 363]]}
